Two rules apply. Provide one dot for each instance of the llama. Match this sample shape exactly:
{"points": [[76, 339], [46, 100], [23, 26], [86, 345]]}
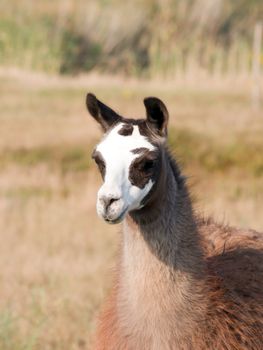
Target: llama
{"points": [[181, 282]]}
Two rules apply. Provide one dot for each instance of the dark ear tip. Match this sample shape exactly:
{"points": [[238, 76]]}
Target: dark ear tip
{"points": [[92, 104], [151, 101], [91, 98], [155, 104]]}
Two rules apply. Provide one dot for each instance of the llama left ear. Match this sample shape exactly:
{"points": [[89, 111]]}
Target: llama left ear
{"points": [[103, 114], [157, 115]]}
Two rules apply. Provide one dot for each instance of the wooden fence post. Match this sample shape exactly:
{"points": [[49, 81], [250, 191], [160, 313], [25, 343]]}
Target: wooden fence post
{"points": [[256, 67]]}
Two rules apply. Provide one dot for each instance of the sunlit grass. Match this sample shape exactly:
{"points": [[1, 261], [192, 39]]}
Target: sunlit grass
{"points": [[67, 159], [193, 149], [212, 155]]}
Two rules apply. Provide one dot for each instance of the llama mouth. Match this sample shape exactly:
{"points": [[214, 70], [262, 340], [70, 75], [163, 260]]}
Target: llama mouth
{"points": [[118, 219]]}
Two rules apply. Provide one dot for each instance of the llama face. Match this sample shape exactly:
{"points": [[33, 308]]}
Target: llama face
{"points": [[127, 161], [128, 157]]}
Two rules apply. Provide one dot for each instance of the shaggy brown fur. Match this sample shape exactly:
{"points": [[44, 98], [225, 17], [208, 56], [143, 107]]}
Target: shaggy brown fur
{"points": [[183, 282]]}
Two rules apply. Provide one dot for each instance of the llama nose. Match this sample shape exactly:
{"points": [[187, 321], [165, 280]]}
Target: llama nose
{"points": [[108, 200]]}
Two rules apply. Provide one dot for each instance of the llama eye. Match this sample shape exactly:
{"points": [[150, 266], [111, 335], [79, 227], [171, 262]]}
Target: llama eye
{"points": [[100, 163], [101, 166], [97, 160], [148, 165]]}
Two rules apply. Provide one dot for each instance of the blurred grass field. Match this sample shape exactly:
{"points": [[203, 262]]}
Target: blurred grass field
{"points": [[55, 254], [164, 38]]}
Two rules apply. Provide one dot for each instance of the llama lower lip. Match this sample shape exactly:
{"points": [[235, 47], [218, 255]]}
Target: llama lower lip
{"points": [[119, 218]]}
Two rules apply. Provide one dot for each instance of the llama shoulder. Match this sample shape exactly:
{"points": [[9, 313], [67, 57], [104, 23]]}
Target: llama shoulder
{"points": [[218, 239], [236, 257], [235, 263]]}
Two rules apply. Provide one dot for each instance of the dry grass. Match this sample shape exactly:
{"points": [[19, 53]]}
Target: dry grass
{"points": [[55, 254]]}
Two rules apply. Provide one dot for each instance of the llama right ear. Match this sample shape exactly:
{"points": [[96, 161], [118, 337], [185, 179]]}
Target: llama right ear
{"points": [[103, 114], [157, 115]]}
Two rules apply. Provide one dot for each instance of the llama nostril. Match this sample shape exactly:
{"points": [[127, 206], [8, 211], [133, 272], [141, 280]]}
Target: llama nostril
{"points": [[107, 201], [112, 200]]}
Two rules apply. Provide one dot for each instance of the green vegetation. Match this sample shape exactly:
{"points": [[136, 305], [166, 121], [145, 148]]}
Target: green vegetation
{"points": [[191, 148], [65, 158], [29, 43], [141, 37], [27, 192], [210, 156], [10, 335]]}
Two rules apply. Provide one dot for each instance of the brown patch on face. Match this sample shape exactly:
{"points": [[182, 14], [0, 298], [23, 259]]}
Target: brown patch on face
{"points": [[126, 130], [97, 156], [139, 150], [143, 129], [144, 168]]}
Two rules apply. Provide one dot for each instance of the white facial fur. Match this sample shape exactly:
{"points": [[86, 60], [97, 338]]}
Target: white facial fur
{"points": [[116, 152]]}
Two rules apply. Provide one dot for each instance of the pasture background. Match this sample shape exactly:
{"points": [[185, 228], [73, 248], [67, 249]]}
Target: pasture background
{"points": [[56, 256]]}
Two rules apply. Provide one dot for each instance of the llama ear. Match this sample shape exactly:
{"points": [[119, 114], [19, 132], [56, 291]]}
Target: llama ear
{"points": [[157, 115], [103, 114]]}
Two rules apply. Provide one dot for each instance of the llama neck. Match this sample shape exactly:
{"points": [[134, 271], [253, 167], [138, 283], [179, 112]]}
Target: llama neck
{"points": [[162, 270]]}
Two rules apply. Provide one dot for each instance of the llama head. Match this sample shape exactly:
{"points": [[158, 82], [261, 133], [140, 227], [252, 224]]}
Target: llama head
{"points": [[128, 157]]}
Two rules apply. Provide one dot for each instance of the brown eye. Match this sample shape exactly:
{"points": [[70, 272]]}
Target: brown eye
{"points": [[97, 160], [100, 163], [148, 165], [101, 166]]}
